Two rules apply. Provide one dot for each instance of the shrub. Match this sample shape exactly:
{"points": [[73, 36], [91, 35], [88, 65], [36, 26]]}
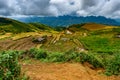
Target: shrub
{"points": [[113, 66], [116, 30], [52, 56], [70, 55], [55, 57], [37, 53], [66, 57], [41, 54], [32, 52], [9, 67], [92, 59]]}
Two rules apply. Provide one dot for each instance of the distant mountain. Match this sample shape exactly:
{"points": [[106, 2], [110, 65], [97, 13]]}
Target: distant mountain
{"points": [[118, 20], [69, 20]]}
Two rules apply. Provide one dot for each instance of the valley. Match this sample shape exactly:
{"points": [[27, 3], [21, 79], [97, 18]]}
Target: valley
{"points": [[88, 51]]}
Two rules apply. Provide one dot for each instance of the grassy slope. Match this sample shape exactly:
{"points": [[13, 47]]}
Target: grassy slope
{"points": [[13, 26], [9, 25], [41, 26], [89, 27], [76, 27], [94, 26]]}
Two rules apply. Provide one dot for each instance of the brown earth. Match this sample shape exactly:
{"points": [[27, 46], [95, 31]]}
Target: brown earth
{"points": [[94, 26], [54, 43], [20, 44], [63, 71]]}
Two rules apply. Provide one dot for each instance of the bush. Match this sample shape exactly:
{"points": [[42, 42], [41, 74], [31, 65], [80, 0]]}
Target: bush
{"points": [[116, 30], [113, 66], [52, 56], [37, 53], [70, 55], [9, 67], [92, 59], [55, 57], [66, 57], [41, 54]]}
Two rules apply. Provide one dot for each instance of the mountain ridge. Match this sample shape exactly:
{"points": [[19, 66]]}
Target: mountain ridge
{"points": [[69, 20]]}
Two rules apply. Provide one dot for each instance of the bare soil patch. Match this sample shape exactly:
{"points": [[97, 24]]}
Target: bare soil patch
{"points": [[62, 71]]}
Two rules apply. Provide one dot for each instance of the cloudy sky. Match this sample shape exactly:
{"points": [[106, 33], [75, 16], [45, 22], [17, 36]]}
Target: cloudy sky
{"points": [[107, 8]]}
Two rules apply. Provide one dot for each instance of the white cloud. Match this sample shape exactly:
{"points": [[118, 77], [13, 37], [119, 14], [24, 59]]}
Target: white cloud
{"points": [[108, 8]]}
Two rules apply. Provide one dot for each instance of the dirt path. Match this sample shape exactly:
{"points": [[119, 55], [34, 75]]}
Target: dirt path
{"points": [[62, 71]]}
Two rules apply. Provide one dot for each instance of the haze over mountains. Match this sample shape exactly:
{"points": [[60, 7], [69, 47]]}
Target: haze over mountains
{"points": [[68, 20]]}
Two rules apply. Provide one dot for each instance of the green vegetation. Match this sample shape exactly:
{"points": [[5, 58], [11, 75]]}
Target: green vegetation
{"points": [[52, 56], [113, 65], [76, 27], [10, 69], [109, 62], [116, 30], [105, 43], [59, 28], [69, 56], [9, 66], [13, 26], [41, 26], [9, 25]]}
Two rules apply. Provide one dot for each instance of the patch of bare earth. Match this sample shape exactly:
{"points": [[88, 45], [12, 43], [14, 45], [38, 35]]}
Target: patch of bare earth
{"points": [[20, 44], [62, 71]]}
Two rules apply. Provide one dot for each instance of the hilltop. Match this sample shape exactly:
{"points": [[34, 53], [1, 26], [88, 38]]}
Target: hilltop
{"points": [[89, 27], [94, 26]]}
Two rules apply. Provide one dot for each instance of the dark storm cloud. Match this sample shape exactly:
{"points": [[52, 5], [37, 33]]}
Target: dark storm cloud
{"points": [[4, 8], [8, 7], [108, 8], [88, 3], [34, 7]]}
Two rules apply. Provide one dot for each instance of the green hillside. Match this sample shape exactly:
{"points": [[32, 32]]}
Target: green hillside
{"points": [[41, 26], [13, 26], [9, 25], [75, 27]]}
